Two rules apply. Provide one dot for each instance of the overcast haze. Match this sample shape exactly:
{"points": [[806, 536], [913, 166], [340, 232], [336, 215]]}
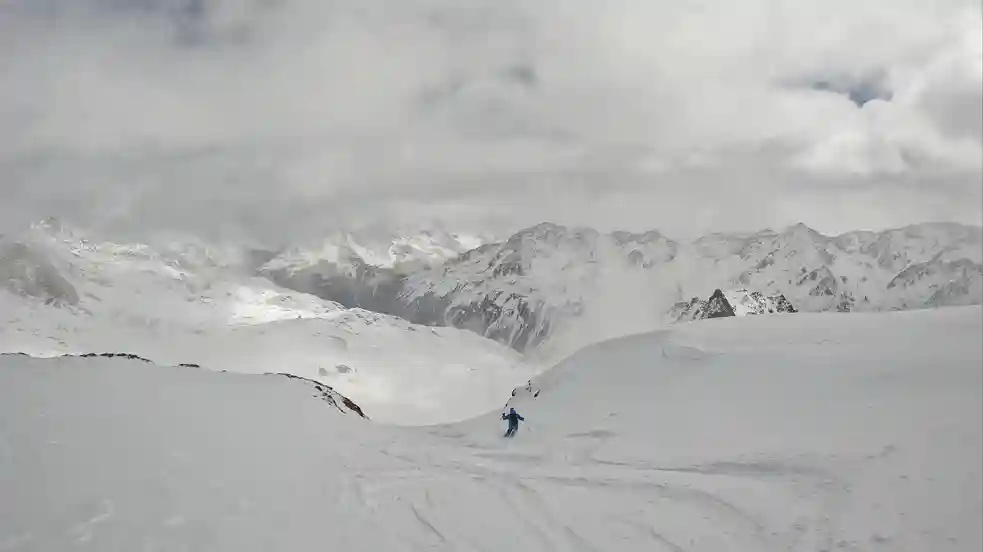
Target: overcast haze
{"points": [[282, 119]]}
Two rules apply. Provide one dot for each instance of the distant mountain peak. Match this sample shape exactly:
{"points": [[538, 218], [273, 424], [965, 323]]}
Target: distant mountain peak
{"points": [[354, 250], [738, 302], [717, 306]]}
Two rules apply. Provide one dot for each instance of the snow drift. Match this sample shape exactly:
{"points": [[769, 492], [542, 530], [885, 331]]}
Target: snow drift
{"points": [[796, 433]]}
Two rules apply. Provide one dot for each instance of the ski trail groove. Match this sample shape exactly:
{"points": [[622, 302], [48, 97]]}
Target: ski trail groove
{"points": [[426, 523]]}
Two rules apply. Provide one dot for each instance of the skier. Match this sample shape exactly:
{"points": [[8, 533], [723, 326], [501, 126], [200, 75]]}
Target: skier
{"points": [[513, 417]]}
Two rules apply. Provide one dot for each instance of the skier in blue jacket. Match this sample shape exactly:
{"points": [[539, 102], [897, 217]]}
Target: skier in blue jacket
{"points": [[513, 417]]}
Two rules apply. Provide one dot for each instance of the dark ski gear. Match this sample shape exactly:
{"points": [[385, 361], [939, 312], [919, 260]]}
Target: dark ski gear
{"points": [[513, 417]]}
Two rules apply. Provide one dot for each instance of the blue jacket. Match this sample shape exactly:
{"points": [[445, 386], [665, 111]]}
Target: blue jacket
{"points": [[513, 417]]}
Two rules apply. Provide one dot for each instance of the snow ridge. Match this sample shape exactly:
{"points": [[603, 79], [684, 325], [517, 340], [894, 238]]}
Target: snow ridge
{"points": [[325, 393]]}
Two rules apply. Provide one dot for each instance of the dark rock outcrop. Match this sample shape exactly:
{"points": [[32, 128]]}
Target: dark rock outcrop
{"points": [[129, 356], [717, 306], [327, 394]]}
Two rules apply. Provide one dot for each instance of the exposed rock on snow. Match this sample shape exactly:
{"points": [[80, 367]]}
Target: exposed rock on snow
{"points": [[739, 302], [328, 395], [717, 306]]}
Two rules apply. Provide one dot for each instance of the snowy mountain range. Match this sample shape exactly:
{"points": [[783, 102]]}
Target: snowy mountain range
{"points": [[551, 288], [545, 291]]}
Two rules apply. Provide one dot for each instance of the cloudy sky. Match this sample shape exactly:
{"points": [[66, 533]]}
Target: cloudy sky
{"points": [[286, 118]]}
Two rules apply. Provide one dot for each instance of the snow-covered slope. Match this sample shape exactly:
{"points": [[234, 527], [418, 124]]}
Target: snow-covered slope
{"points": [[753, 434], [575, 285], [191, 304], [136, 284]]}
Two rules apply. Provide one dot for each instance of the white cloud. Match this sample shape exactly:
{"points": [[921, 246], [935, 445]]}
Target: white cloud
{"points": [[284, 117]]}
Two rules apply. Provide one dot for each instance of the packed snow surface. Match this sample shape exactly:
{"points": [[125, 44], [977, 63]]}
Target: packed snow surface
{"points": [[804, 432]]}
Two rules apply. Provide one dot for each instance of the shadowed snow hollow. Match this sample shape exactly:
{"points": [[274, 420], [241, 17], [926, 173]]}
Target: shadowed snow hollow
{"points": [[750, 434]]}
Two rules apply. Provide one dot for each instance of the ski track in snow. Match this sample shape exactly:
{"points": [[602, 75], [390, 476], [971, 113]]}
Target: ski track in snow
{"points": [[522, 486], [102, 454]]}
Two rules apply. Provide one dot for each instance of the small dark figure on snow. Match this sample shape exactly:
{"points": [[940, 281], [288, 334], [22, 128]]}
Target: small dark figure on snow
{"points": [[513, 417]]}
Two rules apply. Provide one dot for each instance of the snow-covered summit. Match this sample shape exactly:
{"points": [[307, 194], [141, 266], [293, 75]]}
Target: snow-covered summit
{"points": [[365, 269], [347, 251]]}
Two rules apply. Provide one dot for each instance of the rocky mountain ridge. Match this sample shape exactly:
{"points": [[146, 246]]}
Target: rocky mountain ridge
{"points": [[550, 288], [739, 302], [551, 280]]}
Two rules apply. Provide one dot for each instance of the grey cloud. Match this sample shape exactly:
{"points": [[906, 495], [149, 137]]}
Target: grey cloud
{"points": [[287, 117], [859, 91]]}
